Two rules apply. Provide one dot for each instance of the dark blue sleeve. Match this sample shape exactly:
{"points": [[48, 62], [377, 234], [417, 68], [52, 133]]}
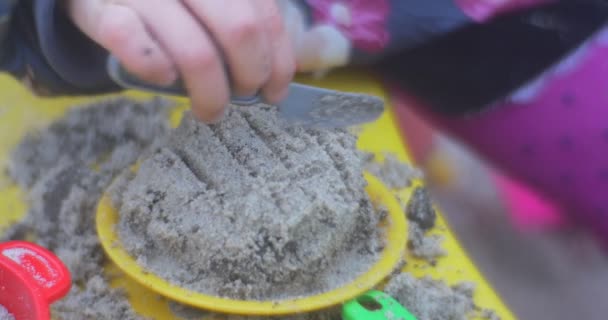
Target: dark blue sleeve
{"points": [[40, 47], [454, 57], [471, 69]]}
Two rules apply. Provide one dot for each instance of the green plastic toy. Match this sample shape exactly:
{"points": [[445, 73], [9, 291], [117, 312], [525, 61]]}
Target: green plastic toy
{"points": [[375, 305]]}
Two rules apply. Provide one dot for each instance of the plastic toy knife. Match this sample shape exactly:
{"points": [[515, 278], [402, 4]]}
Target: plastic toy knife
{"points": [[305, 105]]}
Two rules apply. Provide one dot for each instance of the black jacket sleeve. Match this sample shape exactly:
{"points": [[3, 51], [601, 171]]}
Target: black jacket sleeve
{"points": [[470, 69], [40, 47]]}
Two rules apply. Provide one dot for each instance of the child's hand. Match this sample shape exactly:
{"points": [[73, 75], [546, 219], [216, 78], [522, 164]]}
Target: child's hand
{"points": [[159, 40]]}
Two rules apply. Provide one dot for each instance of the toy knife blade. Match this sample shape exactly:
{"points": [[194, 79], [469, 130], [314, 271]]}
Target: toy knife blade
{"points": [[305, 105]]}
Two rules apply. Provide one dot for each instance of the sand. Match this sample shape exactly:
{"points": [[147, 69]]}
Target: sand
{"points": [[424, 246], [394, 173], [251, 208], [422, 218], [432, 300], [419, 211], [4, 314], [184, 312], [334, 110], [65, 168], [56, 167]]}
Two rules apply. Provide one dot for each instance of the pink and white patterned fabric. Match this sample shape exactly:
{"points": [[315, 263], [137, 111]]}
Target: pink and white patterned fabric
{"points": [[483, 10]]}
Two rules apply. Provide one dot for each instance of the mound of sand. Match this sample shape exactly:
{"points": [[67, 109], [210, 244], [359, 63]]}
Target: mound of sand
{"points": [[251, 208]]}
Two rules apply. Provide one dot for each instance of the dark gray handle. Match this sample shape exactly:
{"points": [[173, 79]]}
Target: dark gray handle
{"points": [[123, 78]]}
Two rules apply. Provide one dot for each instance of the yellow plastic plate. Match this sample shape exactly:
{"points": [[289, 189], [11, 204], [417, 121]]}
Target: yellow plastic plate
{"points": [[393, 253]]}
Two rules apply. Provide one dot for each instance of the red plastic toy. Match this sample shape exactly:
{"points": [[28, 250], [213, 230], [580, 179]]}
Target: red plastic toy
{"points": [[31, 278]]}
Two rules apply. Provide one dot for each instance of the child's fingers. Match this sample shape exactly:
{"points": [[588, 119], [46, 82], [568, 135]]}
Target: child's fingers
{"points": [[156, 38], [193, 52], [123, 33], [242, 38], [119, 29], [321, 48], [282, 72], [283, 62]]}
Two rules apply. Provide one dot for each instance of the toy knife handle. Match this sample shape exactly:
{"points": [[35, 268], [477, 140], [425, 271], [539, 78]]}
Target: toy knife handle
{"points": [[126, 80]]}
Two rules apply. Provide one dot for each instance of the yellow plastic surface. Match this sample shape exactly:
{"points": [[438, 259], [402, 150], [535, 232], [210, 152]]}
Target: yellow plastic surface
{"points": [[396, 235], [20, 112]]}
